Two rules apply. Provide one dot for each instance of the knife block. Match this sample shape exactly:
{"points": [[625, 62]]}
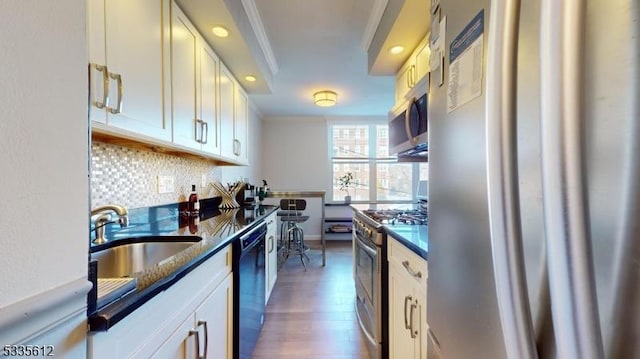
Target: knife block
{"points": [[228, 195]]}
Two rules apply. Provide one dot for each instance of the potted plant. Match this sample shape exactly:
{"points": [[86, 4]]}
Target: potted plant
{"points": [[345, 182]]}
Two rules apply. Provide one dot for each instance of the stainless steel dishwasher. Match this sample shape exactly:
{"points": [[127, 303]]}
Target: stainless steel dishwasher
{"points": [[249, 291]]}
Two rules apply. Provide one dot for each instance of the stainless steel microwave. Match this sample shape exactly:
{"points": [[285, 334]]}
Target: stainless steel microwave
{"points": [[408, 129]]}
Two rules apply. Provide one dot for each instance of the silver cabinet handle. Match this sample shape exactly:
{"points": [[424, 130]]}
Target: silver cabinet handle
{"points": [[502, 181], [206, 339], [407, 80], [414, 332], [118, 79], [413, 75], [105, 85], [236, 147], [270, 244], [204, 133], [199, 130], [407, 266], [196, 335], [407, 299], [574, 305]]}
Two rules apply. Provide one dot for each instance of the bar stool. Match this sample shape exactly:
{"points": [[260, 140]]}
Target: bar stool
{"points": [[291, 234]]}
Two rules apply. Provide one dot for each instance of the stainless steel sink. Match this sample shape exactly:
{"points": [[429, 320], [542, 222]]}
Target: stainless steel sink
{"points": [[127, 259]]}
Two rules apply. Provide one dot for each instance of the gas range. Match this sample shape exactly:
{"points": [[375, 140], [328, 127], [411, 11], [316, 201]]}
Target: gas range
{"points": [[369, 232], [368, 221]]}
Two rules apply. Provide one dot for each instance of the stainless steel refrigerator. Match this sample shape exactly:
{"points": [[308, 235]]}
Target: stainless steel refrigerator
{"points": [[534, 179]]}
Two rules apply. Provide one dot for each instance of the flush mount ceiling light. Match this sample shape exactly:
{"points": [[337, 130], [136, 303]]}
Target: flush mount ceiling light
{"points": [[220, 31], [325, 98], [396, 49], [250, 78]]}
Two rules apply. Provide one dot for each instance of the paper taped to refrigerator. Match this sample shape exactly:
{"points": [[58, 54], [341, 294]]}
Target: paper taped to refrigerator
{"points": [[465, 64]]}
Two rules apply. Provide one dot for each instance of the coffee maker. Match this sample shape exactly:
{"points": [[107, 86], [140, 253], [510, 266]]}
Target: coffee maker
{"points": [[246, 196]]}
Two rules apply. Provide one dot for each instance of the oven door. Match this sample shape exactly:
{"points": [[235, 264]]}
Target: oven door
{"points": [[368, 291]]}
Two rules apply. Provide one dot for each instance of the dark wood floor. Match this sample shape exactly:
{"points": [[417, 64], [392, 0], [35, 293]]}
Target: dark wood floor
{"points": [[310, 315]]}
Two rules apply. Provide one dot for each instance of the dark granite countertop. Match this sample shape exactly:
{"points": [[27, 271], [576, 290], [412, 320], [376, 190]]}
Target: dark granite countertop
{"points": [[217, 229]]}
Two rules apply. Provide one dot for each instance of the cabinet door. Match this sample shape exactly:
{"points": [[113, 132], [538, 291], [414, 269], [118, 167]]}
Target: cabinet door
{"points": [[241, 126], [181, 344], [207, 99], [401, 297], [217, 312], [135, 40], [404, 80], [97, 60], [184, 42], [227, 91], [271, 254], [420, 323], [422, 61]]}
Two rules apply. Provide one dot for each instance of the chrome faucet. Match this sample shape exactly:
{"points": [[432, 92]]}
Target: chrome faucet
{"points": [[104, 218]]}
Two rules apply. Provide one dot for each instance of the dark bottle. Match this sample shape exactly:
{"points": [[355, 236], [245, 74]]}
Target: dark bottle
{"points": [[194, 204], [194, 221]]}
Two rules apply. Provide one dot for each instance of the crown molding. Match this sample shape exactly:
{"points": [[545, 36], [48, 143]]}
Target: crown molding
{"points": [[253, 14], [374, 20]]}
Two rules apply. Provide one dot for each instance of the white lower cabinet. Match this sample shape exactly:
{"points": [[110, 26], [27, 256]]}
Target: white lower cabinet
{"points": [[271, 254], [407, 302], [197, 307], [177, 347], [205, 333]]}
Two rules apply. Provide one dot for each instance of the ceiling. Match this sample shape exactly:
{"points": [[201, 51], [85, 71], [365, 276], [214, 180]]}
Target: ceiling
{"points": [[296, 48]]}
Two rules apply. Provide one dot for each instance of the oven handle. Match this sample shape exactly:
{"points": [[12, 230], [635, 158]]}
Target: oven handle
{"points": [[366, 248]]}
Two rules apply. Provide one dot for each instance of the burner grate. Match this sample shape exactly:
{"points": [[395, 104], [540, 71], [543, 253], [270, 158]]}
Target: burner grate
{"points": [[397, 216]]}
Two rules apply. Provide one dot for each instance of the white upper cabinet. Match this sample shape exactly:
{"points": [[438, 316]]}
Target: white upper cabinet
{"points": [[234, 118], [227, 113], [155, 80], [413, 72], [241, 126], [127, 42], [207, 105], [422, 54], [405, 80], [193, 83], [184, 45]]}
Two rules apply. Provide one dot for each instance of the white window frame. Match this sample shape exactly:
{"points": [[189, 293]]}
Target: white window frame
{"points": [[372, 124]]}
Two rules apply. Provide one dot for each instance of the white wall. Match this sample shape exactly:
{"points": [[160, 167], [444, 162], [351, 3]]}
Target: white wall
{"points": [[295, 157], [43, 146], [295, 153], [44, 191]]}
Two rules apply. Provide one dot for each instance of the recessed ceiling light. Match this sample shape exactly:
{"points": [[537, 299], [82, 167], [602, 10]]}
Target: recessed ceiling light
{"points": [[220, 31], [396, 49], [250, 78]]}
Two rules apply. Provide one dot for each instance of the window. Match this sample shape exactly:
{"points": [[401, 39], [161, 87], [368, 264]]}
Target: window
{"points": [[363, 149]]}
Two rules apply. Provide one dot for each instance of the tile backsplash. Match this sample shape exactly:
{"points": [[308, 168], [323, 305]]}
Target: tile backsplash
{"points": [[129, 177]]}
